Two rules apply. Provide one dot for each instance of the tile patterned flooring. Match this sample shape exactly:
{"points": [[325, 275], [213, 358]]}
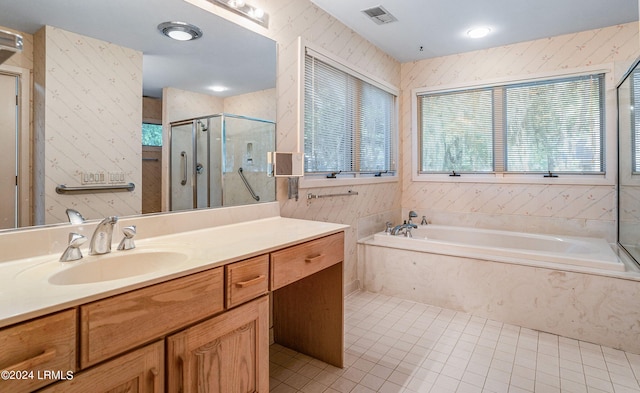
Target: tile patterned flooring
{"points": [[394, 345]]}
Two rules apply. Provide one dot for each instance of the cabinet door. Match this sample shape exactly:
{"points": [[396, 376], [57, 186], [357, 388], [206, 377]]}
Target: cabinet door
{"points": [[32, 349], [140, 371], [225, 354]]}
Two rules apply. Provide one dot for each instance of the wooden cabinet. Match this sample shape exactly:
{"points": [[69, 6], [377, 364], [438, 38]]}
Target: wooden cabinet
{"points": [[308, 300], [247, 280], [139, 371], [205, 332], [119, 323], [226, 354], [37, 347]]}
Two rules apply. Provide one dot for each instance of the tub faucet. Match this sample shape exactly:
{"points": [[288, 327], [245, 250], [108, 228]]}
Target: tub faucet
{"points": [[424, 221], [406, 227], [101, 239]]}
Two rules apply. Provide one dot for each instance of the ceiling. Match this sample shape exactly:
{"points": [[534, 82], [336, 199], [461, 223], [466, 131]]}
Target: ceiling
{"points": [[440, 27], [227, 54]]}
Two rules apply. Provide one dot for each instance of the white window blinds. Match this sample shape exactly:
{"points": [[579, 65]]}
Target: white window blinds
{"points": [[551, 126], [555, 126], [635, 120], [456, 131], [349, 124]]}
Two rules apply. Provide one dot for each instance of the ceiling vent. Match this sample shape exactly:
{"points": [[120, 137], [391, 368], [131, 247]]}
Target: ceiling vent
{"points": [[379, 15]]}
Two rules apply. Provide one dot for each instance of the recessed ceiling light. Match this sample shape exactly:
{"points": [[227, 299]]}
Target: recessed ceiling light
{"points": [[478, 32], [219, 89], [180, 31]]}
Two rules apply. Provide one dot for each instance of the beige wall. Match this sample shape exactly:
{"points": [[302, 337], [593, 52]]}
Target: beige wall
{"points": [[258, 104], [374, 203], [564, 209], [87, 118]]}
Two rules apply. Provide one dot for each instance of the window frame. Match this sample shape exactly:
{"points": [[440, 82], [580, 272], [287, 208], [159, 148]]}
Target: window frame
{"points": [[609, 132], [310, 180]]}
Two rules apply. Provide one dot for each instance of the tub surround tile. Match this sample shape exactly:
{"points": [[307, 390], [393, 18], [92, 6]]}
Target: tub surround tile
{"points": [[604, 229]]}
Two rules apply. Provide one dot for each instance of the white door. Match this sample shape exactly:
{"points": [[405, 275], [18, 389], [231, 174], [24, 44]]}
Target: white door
{"points": [[8, 150]]}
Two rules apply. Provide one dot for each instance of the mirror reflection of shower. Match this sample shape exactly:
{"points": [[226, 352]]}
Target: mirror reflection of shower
{"points": [[220, 160]]}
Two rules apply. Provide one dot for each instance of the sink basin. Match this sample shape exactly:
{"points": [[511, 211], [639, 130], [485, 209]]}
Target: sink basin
{"points": [[116, 266]]}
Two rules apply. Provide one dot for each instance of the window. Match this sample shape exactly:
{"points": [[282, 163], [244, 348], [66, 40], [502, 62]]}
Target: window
{"points": [[349, 123], [552, 126], [151, 134], [457, 131]]}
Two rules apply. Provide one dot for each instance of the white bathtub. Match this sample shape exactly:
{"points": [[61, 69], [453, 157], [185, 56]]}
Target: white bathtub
{"points": [[506, 246]]}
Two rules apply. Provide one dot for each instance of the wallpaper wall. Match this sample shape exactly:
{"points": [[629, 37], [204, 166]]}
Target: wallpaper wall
{"points": [[92, 111], [374, 203], [562, 209]]}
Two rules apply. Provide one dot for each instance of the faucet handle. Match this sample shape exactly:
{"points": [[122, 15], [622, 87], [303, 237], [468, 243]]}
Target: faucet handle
{"points": [[388, 228], [127, 242], [73, 253]]}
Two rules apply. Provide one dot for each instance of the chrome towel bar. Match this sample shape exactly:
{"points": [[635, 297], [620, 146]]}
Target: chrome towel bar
{"points": [[62, 189], [315, 196]]}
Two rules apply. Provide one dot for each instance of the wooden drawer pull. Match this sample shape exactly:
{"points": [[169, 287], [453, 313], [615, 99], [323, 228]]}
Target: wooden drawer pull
{"points": [[253, 281], [29, 364], [314, 259]]}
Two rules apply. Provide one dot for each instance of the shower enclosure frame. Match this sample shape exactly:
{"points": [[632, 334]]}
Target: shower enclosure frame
{"points": [[193, 170]]}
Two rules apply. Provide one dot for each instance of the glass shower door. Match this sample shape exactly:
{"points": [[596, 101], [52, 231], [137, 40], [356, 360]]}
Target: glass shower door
{"points": [[182, 167], [246, 143]]}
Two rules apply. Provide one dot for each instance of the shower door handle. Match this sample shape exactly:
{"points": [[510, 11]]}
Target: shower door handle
{"points": [[184, 173]]}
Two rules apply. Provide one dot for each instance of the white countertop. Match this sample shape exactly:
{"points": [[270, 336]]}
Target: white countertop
{"points": [[25, 291]]}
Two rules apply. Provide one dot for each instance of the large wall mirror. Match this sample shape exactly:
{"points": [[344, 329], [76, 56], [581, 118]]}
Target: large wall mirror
{"points": [[92, 73], [629, 162]]}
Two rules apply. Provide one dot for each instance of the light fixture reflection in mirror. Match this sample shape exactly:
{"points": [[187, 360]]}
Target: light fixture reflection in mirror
{"points": [[180, 31]]}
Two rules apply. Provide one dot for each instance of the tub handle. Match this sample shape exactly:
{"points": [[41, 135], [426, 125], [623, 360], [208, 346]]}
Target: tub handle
{"points": [[314, 259]]}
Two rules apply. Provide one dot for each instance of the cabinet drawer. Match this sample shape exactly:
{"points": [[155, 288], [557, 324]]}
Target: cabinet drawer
{"points": [[117, 324], [247, 280], [294, 263], [47, 343]]}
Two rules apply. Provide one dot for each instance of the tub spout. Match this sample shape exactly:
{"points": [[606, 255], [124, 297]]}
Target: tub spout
{"points": [[403, 228]]}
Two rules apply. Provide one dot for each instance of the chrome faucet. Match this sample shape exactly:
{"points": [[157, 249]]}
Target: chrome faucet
{"points": [[74, 216], [127, 242], [406, 227], [73, 253], [101, 239], [424, 221]]}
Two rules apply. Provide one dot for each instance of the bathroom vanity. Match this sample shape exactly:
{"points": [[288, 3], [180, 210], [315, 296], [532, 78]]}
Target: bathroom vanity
{"points": [[200, 326]]}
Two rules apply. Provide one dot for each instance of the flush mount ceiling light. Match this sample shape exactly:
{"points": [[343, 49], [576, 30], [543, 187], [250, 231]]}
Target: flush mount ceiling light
{"points": [[478, 32], [180, 31], [247, 10], [218, 89]]}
